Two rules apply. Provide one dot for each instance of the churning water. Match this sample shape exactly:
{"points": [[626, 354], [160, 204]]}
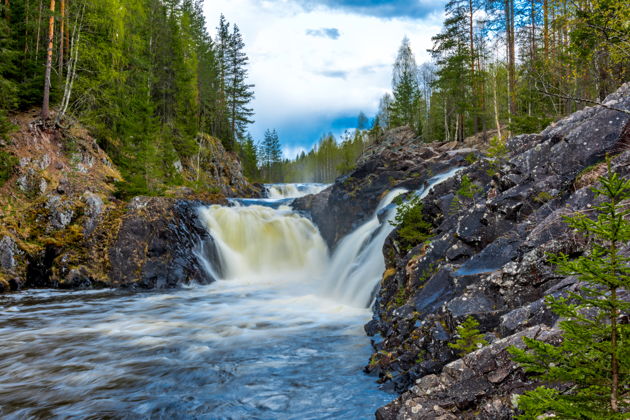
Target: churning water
{"points": [[279, 336]]}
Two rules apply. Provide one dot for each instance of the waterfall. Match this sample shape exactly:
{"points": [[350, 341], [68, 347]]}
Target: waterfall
{"points": [[257, 243], [278, 191], [357, 264], [260, 244]]}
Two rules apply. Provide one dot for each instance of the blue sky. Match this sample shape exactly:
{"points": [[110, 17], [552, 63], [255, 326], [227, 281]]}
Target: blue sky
{"points": [[317, 63]]}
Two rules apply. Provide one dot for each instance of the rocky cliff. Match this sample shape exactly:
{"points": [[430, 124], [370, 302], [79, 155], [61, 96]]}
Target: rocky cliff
{"points": [[398, 160], [61, 224], [493, 225]]}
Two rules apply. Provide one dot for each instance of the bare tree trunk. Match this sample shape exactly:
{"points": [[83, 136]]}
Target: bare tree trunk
{"points": [[496, 105], [546, 27], [472, 63], [72, 66], [39, 26], [446, 133], [614, 394], [533, 33], [62, 9], [509, 21], [49, 53], [27, 14], [65, 34]]}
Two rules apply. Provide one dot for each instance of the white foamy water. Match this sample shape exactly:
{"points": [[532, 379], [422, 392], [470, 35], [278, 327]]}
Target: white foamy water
{"points": [[277, 191]]}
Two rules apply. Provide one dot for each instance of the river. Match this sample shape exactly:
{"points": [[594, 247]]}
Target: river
{"points": [[279, 336]]}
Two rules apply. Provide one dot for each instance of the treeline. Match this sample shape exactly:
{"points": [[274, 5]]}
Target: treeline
{"points": [[510, 66], [327, 160], [145, 76]]}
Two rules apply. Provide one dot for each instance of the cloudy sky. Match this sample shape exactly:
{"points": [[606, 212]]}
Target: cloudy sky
{"points": [[317, 63]]}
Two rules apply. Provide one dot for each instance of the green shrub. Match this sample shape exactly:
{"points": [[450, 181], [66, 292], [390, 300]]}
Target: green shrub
{"points": [[470, 158], [497, 153], [5, 126], [528, 124], [7, 163], [466, 192], [413, 227], [543, 197], [470, 339]]}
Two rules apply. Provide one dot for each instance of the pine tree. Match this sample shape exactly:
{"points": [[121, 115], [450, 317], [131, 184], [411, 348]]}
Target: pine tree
{"points": [[452, 53], [588, 374], [237, 91], [271, 155], [249, 157], [405, 107], [470, 339]]}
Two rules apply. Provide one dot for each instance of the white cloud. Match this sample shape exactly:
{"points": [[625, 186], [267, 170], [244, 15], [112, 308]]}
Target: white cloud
{"points": [[301, 78]]}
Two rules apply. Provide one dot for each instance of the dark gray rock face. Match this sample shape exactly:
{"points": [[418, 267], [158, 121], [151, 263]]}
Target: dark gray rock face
{"points": [[480, 386], [488, 259], [159, 245], [399, 160]]}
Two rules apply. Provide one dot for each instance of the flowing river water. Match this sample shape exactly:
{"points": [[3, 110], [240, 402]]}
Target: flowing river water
{"points": [[279, 336]]}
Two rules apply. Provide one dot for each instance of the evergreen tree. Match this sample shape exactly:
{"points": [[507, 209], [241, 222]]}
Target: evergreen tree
{"points": [[249, 157], [405, 107], [362, 121], [238, 93], [470, 339], [271, 155], [593, 362], [452, 53]]}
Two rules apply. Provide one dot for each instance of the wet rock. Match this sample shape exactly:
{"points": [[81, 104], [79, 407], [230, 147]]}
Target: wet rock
{"points": [[492, 257], [399, 160], [158, 245]]}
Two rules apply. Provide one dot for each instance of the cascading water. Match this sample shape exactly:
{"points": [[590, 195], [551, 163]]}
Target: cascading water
{"points": [[277, 191], [358, 263], [256, 243], [279, 336]]}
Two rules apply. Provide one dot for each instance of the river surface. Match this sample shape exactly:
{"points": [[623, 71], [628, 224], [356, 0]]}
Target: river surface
{"points": [[279, 336], [268, 341], [226, 351]]}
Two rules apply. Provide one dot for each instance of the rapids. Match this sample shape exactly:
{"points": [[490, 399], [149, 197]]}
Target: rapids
{"points": [[279, 191], [278, 335]]}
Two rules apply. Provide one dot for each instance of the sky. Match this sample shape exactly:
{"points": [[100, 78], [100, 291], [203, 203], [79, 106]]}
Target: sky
{"points": [[316, 64]]}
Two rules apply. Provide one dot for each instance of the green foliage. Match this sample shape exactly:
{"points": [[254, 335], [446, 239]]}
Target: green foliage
{"points": [[543, 197], [149, 80], [528, 123], [5, 126], [405, 106], [470, 339], [593, 360], [497, 153], [466, 192], [401, 297], [7, 163], [470, 158], [411, 223]]}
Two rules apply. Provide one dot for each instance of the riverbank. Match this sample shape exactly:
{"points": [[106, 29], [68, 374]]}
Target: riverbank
{"points": [[493, 224], [64, 224]]}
